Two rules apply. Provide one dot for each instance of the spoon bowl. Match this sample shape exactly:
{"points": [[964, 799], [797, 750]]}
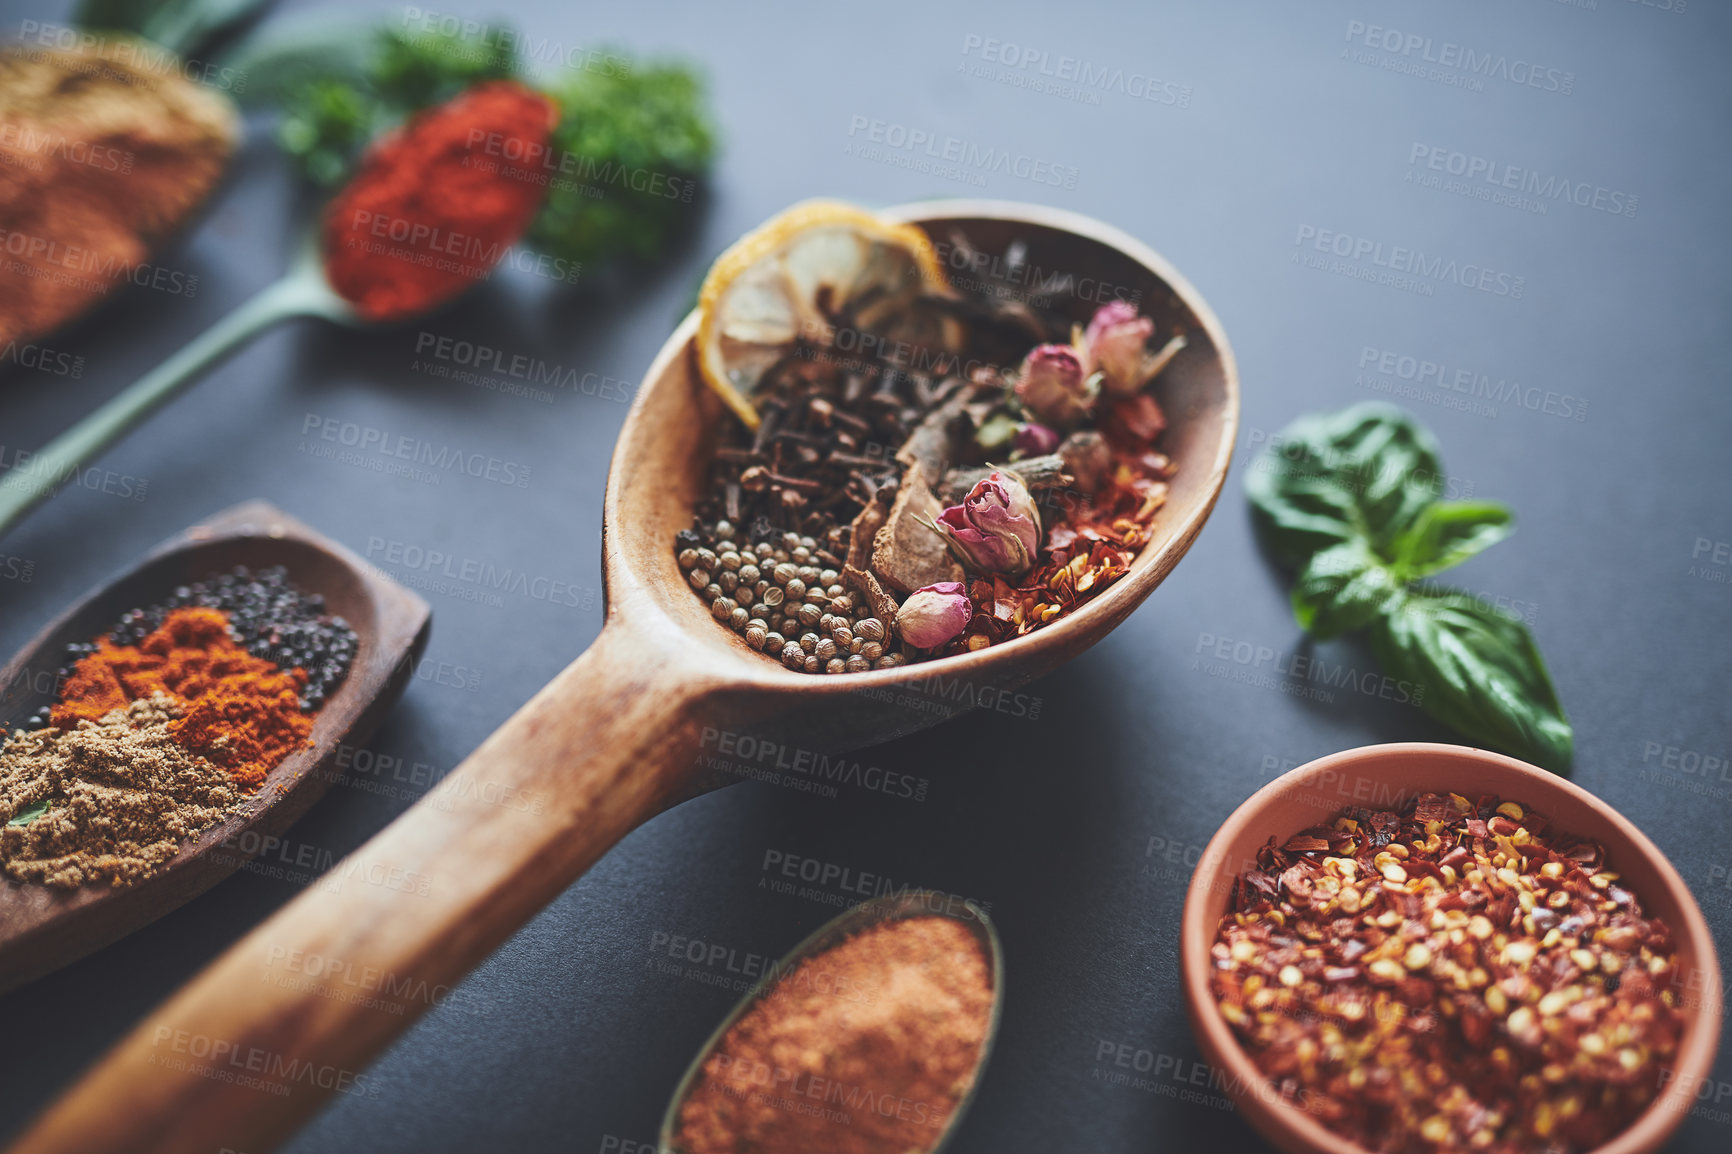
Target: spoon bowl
{"points": [[876, 912], [661, 461], [617, 737], [43, 928]]}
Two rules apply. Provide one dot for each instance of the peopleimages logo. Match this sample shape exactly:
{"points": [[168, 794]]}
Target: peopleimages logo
{"points": [[1487, 178], [1366, 259], [968, 158], [1472, 383], [1088, 78], [1413, 49]]}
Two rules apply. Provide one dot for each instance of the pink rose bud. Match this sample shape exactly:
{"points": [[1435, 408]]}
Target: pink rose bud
{"points": [[1115, 341], [933, 615], [996, 529], [1052, 385], [1035, 440]]}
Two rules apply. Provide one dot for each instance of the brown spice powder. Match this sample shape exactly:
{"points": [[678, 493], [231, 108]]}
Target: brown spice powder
{"points": [[864, 1049], [123, 796], [103, 151]]}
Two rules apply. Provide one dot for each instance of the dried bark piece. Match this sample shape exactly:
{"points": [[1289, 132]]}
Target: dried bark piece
{"points": [[862, 531], [1037, 473], [883, 605], [906, 554], [931, 446]]}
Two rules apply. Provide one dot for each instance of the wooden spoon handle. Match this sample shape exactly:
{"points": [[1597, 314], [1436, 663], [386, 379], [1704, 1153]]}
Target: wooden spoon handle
{"points": [[297, 1009]]}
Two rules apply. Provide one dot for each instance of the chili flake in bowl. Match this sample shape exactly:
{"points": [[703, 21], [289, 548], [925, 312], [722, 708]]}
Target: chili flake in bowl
{"points": [[1418, 948]]}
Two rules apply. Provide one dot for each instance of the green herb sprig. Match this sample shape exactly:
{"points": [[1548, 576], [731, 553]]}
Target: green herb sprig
{"points": [[1353, 501]]}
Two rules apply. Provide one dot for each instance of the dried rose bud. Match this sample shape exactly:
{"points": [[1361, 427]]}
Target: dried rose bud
{"points": [[996, 529], [1052, 386], [1115, 342], [933, 615], [1035, 440]]}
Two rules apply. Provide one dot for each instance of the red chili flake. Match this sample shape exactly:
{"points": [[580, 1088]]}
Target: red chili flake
{"points": [[1441, 987]]}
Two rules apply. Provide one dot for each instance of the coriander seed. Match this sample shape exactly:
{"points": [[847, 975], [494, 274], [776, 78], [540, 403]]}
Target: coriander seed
{"points": [[870, 628], [836, 665]]}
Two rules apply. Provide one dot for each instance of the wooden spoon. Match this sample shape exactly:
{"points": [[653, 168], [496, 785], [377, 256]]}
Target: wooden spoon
{"points": [[42, 928], [240, 1056]]}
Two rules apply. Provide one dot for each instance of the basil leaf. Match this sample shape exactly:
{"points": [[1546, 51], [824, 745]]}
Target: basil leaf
{"points": [[26, 816], [1341, 589], [1299, 516], [1368, 471], [1450, 532], [1480, 671]]}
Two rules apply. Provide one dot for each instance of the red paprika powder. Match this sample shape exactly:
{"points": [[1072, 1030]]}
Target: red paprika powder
{"points": [[438, 202]]}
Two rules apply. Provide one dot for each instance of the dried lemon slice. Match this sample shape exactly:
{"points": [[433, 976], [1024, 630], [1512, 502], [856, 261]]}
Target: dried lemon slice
{"points": [[788, 277]]}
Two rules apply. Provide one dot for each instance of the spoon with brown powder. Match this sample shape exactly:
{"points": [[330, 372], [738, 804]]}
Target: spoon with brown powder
{"points": [[868, 1038]]}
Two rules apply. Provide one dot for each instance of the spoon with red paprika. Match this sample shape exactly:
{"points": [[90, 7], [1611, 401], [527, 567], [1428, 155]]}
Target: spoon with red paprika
{"points": [[429, 214]]}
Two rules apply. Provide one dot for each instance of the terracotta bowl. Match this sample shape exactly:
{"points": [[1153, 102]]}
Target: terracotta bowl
{"points": [[1385, 776]]}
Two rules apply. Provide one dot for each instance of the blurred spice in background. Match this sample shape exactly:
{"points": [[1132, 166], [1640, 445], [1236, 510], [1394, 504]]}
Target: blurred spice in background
{"points": [[866, 1048], [427, 215], [104, 150]]}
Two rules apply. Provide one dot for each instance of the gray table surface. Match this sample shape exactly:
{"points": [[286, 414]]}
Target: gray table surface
{"points": [[1602, 333]]}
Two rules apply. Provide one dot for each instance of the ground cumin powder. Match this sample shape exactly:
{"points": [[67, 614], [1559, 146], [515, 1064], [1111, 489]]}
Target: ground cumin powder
{"points": [[103, 151], [123, 795], [864, 1049]]}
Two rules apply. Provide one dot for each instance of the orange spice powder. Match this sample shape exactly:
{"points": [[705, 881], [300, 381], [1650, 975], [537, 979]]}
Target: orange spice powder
{"points": [[241, 711], [866, 1048]]}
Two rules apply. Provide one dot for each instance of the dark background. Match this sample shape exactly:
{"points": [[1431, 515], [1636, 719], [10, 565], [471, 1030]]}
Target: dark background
{"points": [[1079, 826]]}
